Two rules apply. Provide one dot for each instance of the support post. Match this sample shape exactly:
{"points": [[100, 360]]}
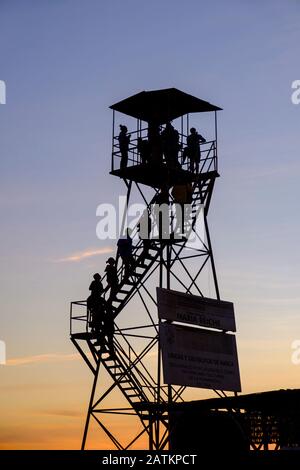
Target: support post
{"points": [[212, 259], [86, 427]]}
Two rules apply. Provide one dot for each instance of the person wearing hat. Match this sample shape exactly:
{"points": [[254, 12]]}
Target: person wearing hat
{"points": [[96, 286], [94, 301], [124, 140], [111, 277]]}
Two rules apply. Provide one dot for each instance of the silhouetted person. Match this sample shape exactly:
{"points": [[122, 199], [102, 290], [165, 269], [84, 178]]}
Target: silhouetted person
{"points": [[124, 140], [125, 252], [109, 329], [143, 149], [98, 316], [144, 228], [111, 277], [161, 212], [155, 144], [193, 149], [96, 288], [182, 195], [171, 146], [104, 326]]}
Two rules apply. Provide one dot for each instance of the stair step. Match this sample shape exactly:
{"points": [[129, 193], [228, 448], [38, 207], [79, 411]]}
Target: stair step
{"points": [[120, 382], [127, 283], [115, 372], [134, 391], [113, 366], [109, 359], [139, 267]]}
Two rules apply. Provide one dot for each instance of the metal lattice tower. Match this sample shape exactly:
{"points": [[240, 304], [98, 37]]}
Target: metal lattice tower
{"points": [[136, 369]]}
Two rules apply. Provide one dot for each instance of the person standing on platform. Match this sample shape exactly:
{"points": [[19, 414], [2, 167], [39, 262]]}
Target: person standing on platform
{"points": [[154, 144], [124, 140], [171, 146], [93, 301], [143, 150], [193, 149]]}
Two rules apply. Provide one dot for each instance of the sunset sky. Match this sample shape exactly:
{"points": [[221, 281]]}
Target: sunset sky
{"points": [[64, 63]]}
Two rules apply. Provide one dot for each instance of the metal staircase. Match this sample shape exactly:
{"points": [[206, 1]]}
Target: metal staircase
{"points": [[128, 285], [202, 190]]}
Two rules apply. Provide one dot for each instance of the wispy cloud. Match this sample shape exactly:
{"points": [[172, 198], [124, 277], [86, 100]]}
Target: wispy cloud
{"points": [[42, 358], [63, 413], [89, 253]]}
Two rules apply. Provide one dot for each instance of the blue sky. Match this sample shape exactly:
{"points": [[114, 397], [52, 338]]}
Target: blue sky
{"points": [[64, 63]]}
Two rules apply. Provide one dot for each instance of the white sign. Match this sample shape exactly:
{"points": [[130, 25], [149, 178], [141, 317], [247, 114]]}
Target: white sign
{"points": [[196, 310], [199, 358]]}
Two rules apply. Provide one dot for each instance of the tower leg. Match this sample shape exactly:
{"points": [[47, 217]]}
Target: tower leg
{"points": [[87, 422], [212, 259]]}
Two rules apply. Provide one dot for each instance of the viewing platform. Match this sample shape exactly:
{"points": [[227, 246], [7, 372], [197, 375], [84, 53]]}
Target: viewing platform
{"points": [[149, 154]]}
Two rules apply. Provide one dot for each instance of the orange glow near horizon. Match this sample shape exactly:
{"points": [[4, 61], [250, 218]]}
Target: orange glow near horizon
{"points": [[43, 407]]}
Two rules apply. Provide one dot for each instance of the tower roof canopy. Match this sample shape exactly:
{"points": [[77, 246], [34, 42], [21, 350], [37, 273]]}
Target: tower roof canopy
{"points": [[162, 106]]}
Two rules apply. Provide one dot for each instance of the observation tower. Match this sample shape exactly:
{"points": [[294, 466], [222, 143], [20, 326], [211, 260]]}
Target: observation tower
{"points": [[172, 331]]}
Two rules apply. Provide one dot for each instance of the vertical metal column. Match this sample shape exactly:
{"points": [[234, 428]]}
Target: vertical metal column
{"points": [[157, 421], [86, 427], [216, 139], [212, 259]]}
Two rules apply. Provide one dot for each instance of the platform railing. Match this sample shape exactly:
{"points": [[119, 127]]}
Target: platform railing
{"points": [[78, 316], [208, 153]]}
